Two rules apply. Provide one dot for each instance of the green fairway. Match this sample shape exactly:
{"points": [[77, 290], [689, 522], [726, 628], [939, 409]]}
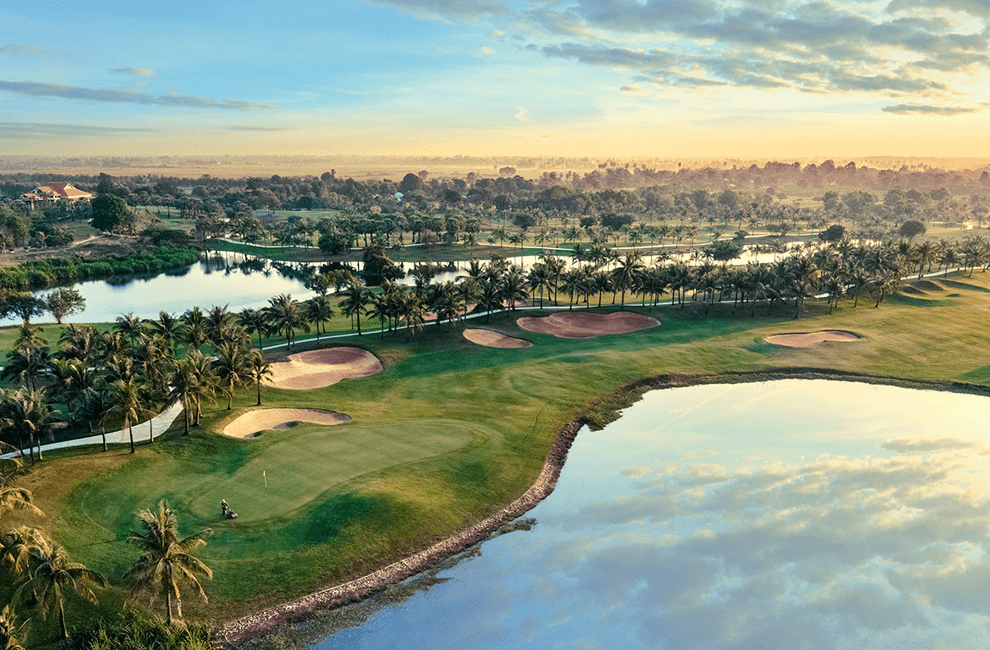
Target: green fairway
{"points": [[448, 433]]}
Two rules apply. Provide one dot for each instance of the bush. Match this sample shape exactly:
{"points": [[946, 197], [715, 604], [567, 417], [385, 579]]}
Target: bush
{"points": [[134, 631]]}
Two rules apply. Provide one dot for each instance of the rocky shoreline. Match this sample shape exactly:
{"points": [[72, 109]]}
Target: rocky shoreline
{"points": [[235, 631]]}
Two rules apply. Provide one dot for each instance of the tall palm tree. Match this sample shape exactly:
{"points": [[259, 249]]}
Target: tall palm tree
{"points": [[168, 327], [356, 298], [285, 314], [255, 320], [231, 367], [128, 403], [258, 370], [626, 276], [218, 319], [413, 312], [195, 328], [28, 417], [51, 573], [166, 561], [130, 326], [319, 311]]}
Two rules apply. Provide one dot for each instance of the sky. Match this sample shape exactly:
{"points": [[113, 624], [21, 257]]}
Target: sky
{"points": [[744, 78]]}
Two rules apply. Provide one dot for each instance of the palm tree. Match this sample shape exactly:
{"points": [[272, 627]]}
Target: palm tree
{"points": [[319, 311], [285, 315], [166, 561], [413, 312], [127, 402], [168, 327], [194, 326], [129, 325], [51, 573], [231, 367], [92, 408], [356, 298], [27, 415], [255, 320], [626, 276], [258, 370], [572, 281], [218, 319], [11, 632]]}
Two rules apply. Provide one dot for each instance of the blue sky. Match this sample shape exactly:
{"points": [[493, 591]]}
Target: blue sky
{"points": [[544, 77]]}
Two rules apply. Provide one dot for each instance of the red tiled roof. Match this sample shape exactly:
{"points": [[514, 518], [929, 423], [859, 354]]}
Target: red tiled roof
{"points": [[63, 191]]}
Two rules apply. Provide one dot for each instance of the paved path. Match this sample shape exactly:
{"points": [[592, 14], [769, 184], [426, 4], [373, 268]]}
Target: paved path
{"points": [[159, 424]]}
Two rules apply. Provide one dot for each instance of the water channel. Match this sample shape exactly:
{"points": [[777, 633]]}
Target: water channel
{"points": [[240, 282], [785, 514]]}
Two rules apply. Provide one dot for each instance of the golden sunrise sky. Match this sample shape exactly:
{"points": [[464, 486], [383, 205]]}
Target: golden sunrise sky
{"points": [[693, 78]]}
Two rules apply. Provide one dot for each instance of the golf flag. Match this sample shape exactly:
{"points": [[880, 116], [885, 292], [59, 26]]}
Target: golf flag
{"points": [[264, 473]]}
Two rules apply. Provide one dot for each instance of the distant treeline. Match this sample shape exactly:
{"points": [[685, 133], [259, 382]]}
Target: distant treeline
{"points": [[67, 270]]}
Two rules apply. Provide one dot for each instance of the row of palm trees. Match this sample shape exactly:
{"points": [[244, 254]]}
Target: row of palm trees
{"points": [[40, 574]]}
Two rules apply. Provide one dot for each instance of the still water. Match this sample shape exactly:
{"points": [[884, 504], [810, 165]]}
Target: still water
{"points": [[786, 514]]}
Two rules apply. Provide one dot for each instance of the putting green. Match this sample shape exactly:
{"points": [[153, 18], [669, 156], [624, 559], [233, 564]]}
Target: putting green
{"points": [[305, 466]]}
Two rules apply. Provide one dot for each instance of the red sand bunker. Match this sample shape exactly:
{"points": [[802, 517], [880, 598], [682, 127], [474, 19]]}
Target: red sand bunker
{"points": [[808, 339], [252, 422], [318, 368], [586, 325], [491, 339]]}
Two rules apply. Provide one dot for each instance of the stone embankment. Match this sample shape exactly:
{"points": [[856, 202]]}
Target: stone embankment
{"points": [[233, 632]]}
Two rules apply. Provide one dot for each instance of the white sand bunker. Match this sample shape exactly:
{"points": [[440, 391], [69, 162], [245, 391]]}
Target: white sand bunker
{"points": [[247, 425], [319, 368], [491, 339], [586, 325], [808, 339]]}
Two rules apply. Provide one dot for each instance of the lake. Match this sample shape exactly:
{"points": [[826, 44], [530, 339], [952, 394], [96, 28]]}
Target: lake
{"points": [[785, 514]]}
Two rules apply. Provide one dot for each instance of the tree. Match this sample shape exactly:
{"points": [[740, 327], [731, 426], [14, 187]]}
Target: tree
{"points": [[255, 320], [911, 229], [258, 370], [166, 561], [231, 366], [111, 214], [128, 403], [65, 301], [21, 303], [318, 312], [356, 297], [286, 316], [51, 573], [11, 632]]}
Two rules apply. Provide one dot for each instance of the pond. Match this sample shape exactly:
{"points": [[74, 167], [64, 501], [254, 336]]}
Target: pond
{"points": [[785, 514], [219, 279]]}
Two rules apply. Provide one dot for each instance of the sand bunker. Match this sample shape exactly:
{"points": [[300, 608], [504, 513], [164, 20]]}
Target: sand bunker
{"points": [[318, 368], [247, 425], [586, 325], [808, 339], [491, 339]]}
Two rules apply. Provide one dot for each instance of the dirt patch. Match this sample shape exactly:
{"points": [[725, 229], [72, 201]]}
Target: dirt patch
{"points": [[586, 325], [319, 368], [808, 339], [491, 339], [250, 423]]}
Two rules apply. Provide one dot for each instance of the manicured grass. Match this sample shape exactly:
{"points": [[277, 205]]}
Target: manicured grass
{"points": [[449, 432]]}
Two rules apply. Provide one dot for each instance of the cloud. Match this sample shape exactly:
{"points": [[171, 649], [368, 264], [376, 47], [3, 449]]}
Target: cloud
{"points": [[139, 72], [634, 89], [43, 130], [36, 89], [486, 51], [496, 33], [907, 445], [522, 114], [837, 552], [451, 9], [921, 109], [14, 49]]}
